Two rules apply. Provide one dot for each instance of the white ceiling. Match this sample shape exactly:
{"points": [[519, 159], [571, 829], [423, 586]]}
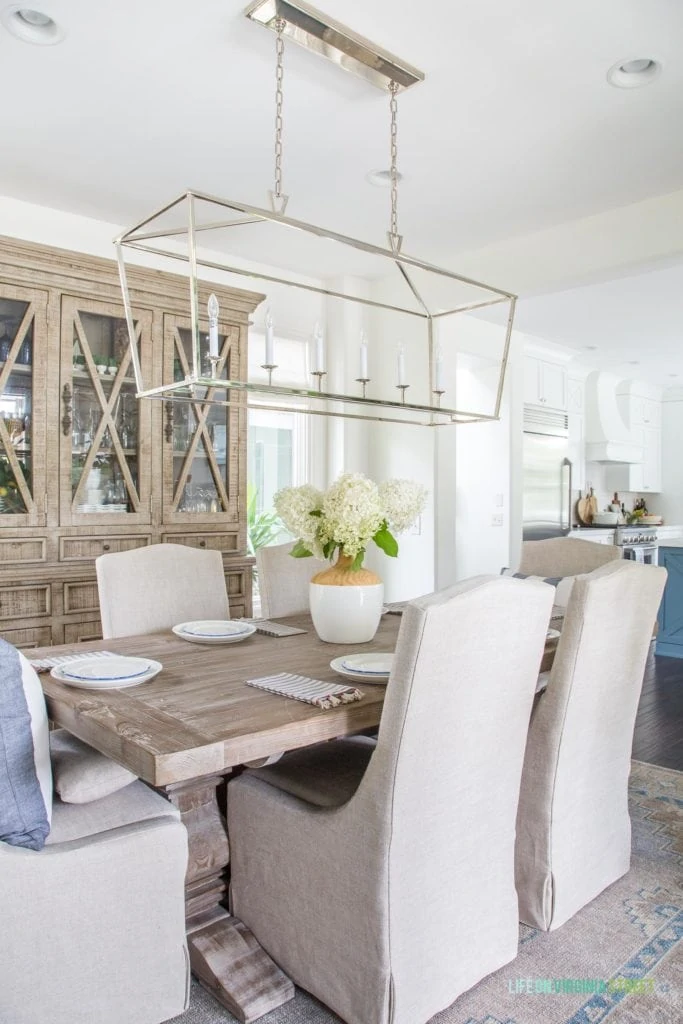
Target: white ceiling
{"points": [[632, 326], [515, 128]]}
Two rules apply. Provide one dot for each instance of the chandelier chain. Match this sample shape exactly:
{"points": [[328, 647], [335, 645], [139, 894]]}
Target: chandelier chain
{"points": [[393, 107], [279, 72]]}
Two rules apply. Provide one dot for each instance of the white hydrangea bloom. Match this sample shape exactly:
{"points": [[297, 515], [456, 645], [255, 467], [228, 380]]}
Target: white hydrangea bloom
{"points": [[294, 506], [351, 513], [402, 502]]}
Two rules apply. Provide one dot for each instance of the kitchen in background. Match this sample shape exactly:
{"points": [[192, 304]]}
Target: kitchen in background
{"points": [[613, 443]]}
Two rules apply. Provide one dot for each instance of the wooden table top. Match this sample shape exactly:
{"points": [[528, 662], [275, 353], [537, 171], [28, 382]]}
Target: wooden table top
{"points": [[197, 717]]}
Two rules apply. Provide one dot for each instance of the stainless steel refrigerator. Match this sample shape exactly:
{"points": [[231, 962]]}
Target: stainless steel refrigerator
{"points": [[547, 475]]}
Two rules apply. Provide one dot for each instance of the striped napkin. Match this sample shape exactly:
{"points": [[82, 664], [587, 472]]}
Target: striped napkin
{"points": [[311, 691], [45, 664], [269, 628]]}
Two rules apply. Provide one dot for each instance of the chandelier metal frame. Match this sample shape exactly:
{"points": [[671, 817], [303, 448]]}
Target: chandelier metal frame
{"points": [[153, 236]]}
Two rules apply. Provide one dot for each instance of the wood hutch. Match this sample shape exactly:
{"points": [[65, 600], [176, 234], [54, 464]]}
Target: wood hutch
{"points": [[85, 467]]}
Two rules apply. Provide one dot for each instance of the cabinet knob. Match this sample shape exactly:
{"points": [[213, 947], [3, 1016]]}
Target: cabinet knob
{"points": [[202, 543], [105, 547]]}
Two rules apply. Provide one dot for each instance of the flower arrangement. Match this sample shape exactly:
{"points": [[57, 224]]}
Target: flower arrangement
{"points": [[350, 514]]}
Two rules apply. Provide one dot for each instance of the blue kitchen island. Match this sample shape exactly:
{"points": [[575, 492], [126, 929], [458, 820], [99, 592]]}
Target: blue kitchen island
{"points": [[670, 633]]}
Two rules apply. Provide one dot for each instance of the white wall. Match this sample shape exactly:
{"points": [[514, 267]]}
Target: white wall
{"points": [[479, 456], [671, 498]]}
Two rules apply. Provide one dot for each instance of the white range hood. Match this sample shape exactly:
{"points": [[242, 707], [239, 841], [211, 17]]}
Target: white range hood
{"points": [[608, 439]]}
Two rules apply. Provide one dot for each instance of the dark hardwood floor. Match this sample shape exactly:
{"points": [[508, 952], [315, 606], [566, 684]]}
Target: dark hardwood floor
{"points": [[658, 737]]}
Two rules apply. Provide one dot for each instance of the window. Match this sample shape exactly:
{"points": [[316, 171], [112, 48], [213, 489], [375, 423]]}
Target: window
{"points": [[279, 443], [277, 453]]}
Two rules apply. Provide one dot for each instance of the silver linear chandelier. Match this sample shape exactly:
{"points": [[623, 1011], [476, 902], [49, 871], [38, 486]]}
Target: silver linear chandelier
{"points": [[409, 314]]}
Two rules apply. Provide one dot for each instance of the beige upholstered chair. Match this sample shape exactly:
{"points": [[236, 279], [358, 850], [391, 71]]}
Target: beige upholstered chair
{"points": [[283, 580], [380, 877], [573, 828], [565, 556], [93, 924], [153, 588]]}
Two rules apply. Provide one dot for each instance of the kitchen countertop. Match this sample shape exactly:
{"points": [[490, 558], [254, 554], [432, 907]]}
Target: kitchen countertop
{"points": [[666, 529]]}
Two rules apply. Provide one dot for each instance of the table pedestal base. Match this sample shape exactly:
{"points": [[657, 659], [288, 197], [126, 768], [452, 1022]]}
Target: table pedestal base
{"points": [[225, 956], [228, 961]]}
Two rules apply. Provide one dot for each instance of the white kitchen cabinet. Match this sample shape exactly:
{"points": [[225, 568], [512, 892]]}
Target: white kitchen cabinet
{"points": [[642, 411], [545, 383], [652, 459], [640, 406], [646, 476]]}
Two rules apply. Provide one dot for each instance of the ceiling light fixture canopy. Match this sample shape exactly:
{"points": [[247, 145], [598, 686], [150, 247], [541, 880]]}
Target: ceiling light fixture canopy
{"points": [[436, 368], [634, 73], [31, 26]]}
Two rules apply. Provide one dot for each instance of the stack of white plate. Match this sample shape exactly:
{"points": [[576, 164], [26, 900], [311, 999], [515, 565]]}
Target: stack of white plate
{"points": [[214, 631], [106, 673], [370, 668]]}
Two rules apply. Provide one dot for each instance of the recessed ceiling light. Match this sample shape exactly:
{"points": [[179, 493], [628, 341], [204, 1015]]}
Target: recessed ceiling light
{"points": [[632, 73], [673, 374], [382, 178], [634, 362], [591, 348], [31, 26]]}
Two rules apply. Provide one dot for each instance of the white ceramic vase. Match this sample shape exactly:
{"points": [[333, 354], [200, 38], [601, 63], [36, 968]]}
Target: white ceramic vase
{"points": [[346, 606]]}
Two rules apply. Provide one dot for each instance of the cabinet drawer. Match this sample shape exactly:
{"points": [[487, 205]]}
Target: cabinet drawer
{"points": [[78, 549], [22, 549], [39, 636], [28, 602], [81, 596], [226, 542], [235, 585], [79, 632]]}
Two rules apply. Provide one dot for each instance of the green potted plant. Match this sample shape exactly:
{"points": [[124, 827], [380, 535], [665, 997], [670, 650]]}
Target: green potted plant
{"points": [[262, 527]]}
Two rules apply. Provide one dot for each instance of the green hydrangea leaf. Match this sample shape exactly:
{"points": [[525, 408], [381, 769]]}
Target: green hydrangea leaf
{"points": [[300, 550], [386, 541]]}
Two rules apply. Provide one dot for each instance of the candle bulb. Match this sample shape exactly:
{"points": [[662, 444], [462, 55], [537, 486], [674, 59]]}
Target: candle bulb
{"points": [[213, 308], [319, 360], [363, 358], [401, 366], [269, 339], [438, 371]]}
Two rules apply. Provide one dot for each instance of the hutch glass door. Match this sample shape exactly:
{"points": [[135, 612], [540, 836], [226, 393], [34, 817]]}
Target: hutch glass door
{"points": [[23, 355], [202, 461], [105, 429]]}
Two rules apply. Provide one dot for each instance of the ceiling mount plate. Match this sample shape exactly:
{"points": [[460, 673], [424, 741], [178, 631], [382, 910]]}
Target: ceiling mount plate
{"points": [[315, 31]]}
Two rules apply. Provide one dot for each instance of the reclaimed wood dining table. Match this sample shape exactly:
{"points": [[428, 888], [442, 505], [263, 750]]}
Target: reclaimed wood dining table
{"points": [[187, 729]]}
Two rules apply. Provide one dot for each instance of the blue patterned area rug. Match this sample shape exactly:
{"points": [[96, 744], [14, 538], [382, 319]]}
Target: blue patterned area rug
{"points": [[618, 960]]}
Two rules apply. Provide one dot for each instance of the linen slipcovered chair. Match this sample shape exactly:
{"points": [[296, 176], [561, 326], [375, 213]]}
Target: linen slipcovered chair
{"points": [[93, 923], [380, 876], [565, 556], [156, 587], [283, 581], [573, 827]]}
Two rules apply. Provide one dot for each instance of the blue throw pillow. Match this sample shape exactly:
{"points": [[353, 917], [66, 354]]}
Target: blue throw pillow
{"points": [[24, 815]]}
